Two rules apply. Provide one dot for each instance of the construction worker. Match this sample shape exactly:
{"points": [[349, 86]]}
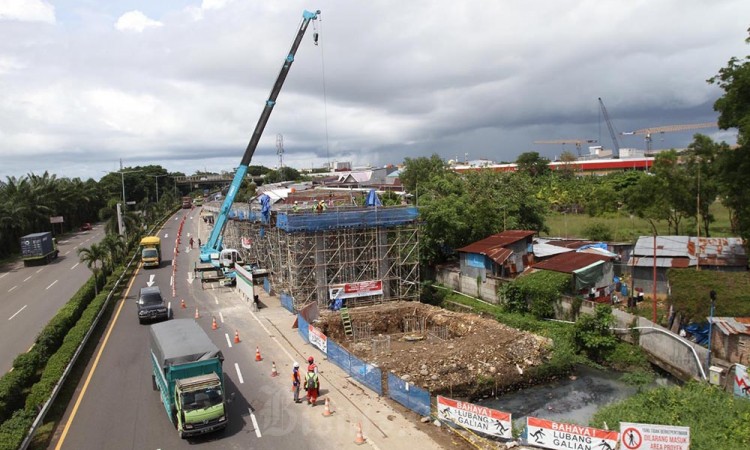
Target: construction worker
{"points": [[199, 242], [311, 366], [191, 242], [296, 382], [311, 386]]}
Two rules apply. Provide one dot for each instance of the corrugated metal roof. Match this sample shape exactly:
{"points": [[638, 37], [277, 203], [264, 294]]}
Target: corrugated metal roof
{"points": [[732, 325], [569, 243], [542, 249], [677, 263], [711, 251], [569, 262], [503, 239]]}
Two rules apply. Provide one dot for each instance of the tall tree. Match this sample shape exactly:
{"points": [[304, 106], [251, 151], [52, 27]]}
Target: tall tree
{"points": [[419, 171], [734, 112], [94, 258], [531, 163]]}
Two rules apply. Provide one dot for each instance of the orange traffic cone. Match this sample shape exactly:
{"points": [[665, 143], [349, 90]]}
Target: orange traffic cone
{"points": [[182, 303], [236, 337], [359, 439], [257, 354], [197, 314], [213, 324], [327, 411], [274, 373]]}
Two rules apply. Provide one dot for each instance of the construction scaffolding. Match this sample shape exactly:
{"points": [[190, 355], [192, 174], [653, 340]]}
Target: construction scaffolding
{"points": [[359, 255]]}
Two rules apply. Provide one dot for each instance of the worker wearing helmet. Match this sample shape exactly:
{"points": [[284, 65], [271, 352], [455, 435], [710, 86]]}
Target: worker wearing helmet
{"points": [[296, 382], [311, 366]]}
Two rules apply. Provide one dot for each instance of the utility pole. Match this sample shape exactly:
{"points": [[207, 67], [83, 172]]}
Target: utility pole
{"points": [[697, 219]]}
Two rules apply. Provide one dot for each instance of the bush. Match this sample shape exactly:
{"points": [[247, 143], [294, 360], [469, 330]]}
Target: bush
{"points": [[592, 334], [431, 295], [13, 430], [537, 293], [598, 231]]}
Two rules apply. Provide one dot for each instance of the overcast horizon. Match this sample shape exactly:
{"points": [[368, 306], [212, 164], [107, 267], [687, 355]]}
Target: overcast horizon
{"points": [[182, 84]]}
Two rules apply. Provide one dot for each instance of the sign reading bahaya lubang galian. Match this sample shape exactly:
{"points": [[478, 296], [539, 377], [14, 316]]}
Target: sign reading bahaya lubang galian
{"points": [[566, 436], [475, 417]]}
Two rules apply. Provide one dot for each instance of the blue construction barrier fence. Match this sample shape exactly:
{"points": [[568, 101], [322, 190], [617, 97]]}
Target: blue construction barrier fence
{"points": [[409, 395], [266, 285], [287, 301], [303, 328], [367, 374]]}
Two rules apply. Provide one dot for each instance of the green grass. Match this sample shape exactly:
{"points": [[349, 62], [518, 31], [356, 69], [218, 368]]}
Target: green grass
{"points": [[627, 228]]}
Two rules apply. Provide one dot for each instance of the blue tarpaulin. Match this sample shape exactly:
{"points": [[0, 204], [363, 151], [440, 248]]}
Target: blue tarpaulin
{"points": [[373, 199], [265, 206]]}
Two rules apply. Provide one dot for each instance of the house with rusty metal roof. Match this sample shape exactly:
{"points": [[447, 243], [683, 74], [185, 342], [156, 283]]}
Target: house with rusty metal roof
{"points": [[593, 273], [730, 339], [503, 255], [682, 252]]}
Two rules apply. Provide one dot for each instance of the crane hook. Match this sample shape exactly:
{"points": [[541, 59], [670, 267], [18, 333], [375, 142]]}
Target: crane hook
{"points": [[315, 37]]}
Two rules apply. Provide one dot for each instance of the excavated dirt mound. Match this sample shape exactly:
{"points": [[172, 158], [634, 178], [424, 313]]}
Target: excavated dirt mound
{"points": [[446, 352]]}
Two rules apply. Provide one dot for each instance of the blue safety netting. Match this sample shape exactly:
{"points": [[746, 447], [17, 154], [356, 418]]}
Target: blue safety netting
{"points": [[303, 328], [367, 374], [409, 395], [347, 218], [287, 301]]}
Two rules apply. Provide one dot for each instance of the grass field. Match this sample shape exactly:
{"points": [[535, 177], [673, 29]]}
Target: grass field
{"points": [[627, 228]]}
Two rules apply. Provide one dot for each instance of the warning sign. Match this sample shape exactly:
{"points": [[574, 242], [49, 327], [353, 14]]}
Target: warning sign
{"points": [[474, 417], [317, 338], [741, 381], [653, 437], [565, 436]]}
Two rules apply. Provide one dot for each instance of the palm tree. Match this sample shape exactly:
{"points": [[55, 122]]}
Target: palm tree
{"points": [[115, 248], [91, 256]]}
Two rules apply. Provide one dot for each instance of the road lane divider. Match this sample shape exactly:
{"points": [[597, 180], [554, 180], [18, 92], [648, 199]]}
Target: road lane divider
{"points": [[239, 374], [255, 423], [17, 312], [75, 265], [27, 278], [51, 284], [229, 341], [11, 289]]}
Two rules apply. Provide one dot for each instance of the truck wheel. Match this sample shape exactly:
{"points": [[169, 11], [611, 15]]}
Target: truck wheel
{"points": [[181, 433]]}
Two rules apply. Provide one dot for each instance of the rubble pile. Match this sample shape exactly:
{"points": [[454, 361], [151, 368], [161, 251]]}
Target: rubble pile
{"points": [[472, 355]]}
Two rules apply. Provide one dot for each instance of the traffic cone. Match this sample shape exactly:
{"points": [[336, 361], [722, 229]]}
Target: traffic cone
{"points": [[274, 373], [327, 411], [236, 337], [182, 303], [197, 315], [257, 354], [213, 324], [359, 439]]}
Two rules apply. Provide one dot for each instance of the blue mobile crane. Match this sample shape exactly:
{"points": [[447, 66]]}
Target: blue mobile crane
{"points": [[211, 251]]}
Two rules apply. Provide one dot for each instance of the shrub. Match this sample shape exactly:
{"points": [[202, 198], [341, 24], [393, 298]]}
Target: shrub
{"points": [[13, 430], [598, 231]]}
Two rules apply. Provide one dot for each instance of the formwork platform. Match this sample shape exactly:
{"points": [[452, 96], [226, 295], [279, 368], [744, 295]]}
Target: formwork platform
{"points": [[363, 255]]}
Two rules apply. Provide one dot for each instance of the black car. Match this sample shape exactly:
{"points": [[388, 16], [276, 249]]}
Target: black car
{"points": [[151, 305]]}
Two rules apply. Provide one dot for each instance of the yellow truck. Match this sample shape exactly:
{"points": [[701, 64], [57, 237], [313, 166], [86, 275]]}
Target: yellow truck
{"points": [[151, 251]]}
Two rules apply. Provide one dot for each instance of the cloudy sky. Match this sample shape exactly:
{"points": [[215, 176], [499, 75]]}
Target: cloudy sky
{"points": [[180, 83]]}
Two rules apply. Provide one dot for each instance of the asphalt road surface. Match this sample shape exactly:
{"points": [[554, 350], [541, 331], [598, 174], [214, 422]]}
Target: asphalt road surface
{"points": [[116, 407], [31, 296]]}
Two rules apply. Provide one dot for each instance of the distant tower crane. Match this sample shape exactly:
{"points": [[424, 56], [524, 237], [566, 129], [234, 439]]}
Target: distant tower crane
{"points": [[615, 142], [577, 142], [648, 132]]}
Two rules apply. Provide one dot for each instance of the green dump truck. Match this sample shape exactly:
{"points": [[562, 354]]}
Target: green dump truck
{"points": [[188, 373]]}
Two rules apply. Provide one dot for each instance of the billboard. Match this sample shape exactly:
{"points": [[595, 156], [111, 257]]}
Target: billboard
{"points": [[358, 289], [565, 436], [642, 436], [474, 417], [741, 381]]}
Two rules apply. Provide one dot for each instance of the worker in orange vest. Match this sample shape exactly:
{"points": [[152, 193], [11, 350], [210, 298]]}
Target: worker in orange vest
{"points": [[296, 382]]}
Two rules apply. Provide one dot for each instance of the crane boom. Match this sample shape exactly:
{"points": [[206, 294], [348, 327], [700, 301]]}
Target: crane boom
{"points": [[615, 142], [577, 142], [668, 129], [214, 243]]}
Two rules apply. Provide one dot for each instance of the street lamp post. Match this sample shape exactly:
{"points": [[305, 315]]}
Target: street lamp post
{"points": [[156, 177], [712, 294]]}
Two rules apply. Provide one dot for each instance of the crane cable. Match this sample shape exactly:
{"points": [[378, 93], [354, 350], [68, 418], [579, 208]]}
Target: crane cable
{"points": [[325, 96]]}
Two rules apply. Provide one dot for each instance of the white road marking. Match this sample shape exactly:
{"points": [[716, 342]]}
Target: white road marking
{"points": [[255, 423], [40, 270], [171, 281], [27, 278], [3, 275], [12, 288], [216, 299], [17, 312], [229, 341], [66, 252], [51, 284], [239, 374], [221, 316], [75, 265]]}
